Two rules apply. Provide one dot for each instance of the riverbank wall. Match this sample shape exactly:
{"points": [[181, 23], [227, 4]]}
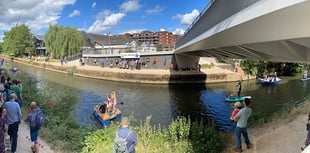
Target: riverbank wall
{"points": [[149, 76]]}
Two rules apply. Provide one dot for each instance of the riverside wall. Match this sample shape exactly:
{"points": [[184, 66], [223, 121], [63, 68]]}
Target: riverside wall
{"points": [[151, 76]]}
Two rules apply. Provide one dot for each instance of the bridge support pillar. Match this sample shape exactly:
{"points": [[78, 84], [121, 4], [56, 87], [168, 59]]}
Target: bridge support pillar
{"points": [[186, 62]]}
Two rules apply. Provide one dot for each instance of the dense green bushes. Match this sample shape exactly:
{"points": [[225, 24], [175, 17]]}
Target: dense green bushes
{"points": [[180, 136]]}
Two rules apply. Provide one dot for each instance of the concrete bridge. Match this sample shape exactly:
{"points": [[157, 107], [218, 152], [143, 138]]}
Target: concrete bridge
{"points": [[271, 30]]}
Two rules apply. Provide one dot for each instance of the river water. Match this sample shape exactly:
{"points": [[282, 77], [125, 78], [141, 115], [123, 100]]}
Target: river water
{"points": [[165, 102]]}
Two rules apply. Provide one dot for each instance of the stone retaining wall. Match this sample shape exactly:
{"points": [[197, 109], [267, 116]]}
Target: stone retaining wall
{"points": [[131, 76]]}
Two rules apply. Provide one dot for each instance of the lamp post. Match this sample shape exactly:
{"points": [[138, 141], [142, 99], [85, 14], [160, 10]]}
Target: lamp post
{"points": [[109, 42]]}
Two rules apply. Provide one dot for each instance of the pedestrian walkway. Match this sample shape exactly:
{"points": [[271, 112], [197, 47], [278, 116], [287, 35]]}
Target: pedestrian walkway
{"points": [[24, 142]]}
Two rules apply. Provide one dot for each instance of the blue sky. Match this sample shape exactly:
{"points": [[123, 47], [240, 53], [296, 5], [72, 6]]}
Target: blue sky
{"points": [[101, 16]]}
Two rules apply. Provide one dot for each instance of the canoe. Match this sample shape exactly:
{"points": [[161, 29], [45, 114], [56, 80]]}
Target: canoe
{"points": [[235, 99], [106, 118], [304, 79], [269, 81]]}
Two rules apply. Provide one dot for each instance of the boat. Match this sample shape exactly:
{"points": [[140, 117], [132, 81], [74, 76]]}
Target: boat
{"points": [[304, 79], [235, 99], [106, 111], [271, 81], [106, 117]]}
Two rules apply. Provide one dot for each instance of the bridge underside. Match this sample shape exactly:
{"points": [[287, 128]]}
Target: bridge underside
{"points": [[280, 33]]}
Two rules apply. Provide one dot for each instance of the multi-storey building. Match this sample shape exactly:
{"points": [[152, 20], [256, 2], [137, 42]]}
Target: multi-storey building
{"points": [[165, 41]]}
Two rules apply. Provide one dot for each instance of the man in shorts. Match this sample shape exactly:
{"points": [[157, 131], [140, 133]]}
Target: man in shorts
{"points": [[34, 132]]}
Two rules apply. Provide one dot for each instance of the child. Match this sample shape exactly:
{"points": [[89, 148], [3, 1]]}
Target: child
{"points": [[237, 106]]}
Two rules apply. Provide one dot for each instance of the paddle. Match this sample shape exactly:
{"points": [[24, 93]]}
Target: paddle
{"points": [[249, 97]]}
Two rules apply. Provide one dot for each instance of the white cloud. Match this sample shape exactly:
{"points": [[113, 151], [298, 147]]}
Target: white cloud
{"points": [[37, 14], [130, 5], [74, 13], [105, 22], [187, 19], [162, 29], [93, 5], [178, 31], [103, 14], [155, 10]]}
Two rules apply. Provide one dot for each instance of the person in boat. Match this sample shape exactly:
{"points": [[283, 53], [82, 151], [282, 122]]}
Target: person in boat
{"points": [[305, 74], [239, 88], [103, 107], [111, 102], [275, 77]]}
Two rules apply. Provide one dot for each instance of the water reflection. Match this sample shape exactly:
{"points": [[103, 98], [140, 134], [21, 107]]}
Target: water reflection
{"points": [[216, 108]]}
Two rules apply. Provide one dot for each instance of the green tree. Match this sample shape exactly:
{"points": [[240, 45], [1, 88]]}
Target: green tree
{"points": [[63, 41], [250, 67], [18, 41]]}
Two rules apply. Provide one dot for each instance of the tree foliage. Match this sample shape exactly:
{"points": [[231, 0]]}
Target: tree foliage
{"points": [[18, 41], [63, 41], [262, 68]]}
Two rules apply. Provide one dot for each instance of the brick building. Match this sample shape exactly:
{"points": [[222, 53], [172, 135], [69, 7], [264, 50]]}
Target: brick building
{"points": [[165, 41]]}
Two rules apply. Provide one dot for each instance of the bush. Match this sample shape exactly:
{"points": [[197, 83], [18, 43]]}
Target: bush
{"points": [[182, 135]]}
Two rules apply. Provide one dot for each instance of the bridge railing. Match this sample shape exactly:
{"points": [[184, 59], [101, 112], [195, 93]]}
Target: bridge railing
{"points": [[200, 14], [215, 12]]}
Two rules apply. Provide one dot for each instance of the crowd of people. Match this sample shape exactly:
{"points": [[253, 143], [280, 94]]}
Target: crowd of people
{"points": [[11, 101]]}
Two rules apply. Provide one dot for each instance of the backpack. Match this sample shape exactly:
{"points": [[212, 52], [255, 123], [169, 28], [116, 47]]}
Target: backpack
{"points": [[37, 119], [8, 94], [120, 144]]}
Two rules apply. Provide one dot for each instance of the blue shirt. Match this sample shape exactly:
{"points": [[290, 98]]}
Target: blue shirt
{"points": [[243, 114], [131, 139], [13, 112]]}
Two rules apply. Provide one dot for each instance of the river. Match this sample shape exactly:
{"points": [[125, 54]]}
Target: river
{"points": [[165, 102]]}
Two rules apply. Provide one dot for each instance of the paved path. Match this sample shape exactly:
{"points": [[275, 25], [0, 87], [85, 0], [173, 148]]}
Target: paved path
{"points": [[24, 142], [285, 134]]}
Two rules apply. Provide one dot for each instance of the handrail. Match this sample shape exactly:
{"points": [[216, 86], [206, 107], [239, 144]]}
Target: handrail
{"points": [[200, 14]]}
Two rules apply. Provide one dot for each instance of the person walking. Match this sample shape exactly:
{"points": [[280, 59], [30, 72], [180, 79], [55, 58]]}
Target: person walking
{"points": [[241, 128], [126, 139], [13, 118], [32, 119], [17, 88]]}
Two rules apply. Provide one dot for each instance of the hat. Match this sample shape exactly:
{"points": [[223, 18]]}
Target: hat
{"points": [[237, 104], [125, 121]]}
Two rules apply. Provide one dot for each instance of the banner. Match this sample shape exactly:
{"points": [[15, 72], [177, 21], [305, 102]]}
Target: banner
{"points": [[130, 55]]}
